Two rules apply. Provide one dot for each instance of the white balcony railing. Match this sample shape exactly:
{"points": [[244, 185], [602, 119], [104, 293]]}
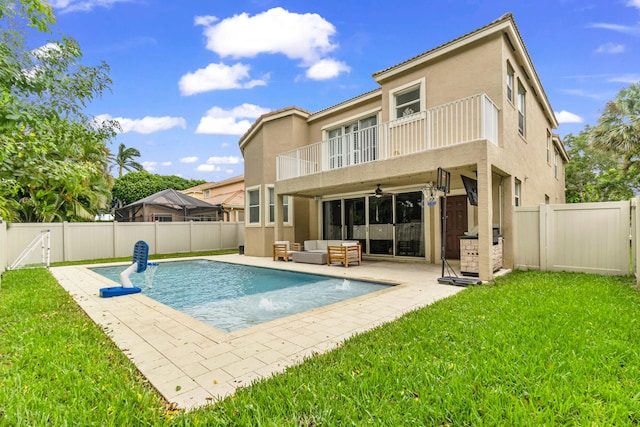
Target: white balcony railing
{"points": [[464, 120]]}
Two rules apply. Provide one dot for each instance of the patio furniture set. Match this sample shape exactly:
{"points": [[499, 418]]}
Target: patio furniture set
{"points": [[319, 252]]}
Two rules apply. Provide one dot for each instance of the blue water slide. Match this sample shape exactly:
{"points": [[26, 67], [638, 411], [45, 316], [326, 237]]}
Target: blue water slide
{"points": [[138, 265]]}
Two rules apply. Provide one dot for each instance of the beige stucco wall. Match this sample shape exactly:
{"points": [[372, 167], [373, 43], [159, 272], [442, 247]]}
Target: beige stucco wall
{"points": [[275, 136], [469, 71]]}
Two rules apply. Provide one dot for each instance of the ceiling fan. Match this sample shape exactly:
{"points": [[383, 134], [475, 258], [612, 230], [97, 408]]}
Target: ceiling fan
{"points": [[378, 192]]}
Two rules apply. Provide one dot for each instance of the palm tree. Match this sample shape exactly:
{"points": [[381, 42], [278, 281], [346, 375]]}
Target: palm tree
{"points": [[125, 159], [618, 128]]}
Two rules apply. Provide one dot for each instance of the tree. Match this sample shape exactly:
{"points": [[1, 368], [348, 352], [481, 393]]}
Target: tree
{"points": [[125, 159], [595, 174], [53, 158], [618, 128], [138, 185]]}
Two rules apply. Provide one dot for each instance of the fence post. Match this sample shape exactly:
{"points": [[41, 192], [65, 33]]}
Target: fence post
{"points": [[543, 210], [66, 241], [3, 246], [115, 238], [634, 240], [156, 233], [191, 235]]}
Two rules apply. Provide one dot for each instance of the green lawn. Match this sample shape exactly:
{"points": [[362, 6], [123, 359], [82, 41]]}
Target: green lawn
{"points": [[531, 349]]}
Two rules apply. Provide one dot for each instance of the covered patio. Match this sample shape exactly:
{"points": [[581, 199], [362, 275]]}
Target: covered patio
{"points": [[167, 206]]}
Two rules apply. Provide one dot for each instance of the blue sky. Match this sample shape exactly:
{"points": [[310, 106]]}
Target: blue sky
{"points": [[189, 77]]}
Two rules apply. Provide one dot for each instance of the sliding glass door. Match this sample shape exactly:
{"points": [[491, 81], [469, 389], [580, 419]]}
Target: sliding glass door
{"points": [[355, 221], [332, 220], [381, 225], [391, 225], [409, 224]]}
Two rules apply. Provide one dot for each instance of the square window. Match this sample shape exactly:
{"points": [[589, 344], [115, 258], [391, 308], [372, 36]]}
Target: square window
{"points": [[253, 196], [408, 102], [521, 110], [509, 83]]}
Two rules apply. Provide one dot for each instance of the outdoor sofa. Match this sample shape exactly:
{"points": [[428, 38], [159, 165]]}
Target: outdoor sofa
{"points": [[317, 251]]}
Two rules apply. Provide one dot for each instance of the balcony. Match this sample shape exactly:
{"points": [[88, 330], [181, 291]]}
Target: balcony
{"points": [[464, 120]]}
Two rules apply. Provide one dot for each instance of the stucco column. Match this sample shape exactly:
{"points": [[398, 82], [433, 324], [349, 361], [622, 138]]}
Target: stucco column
{"points": [[485, 220], [278, 217], [507, 227]]}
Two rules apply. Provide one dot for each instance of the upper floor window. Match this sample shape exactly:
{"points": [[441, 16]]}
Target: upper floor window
{"points": [[408, 102], [521, 109], [353, 143], [518, 184], [253, 202], [555, 163], [206, 194], [509, 83], [548, 147]]}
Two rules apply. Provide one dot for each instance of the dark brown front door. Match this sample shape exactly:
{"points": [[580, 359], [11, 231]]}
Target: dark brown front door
{"points": [[456, 225]]}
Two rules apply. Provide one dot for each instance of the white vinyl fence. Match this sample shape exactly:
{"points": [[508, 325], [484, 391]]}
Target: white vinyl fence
{"points": [[95, 240], [583, 237]]}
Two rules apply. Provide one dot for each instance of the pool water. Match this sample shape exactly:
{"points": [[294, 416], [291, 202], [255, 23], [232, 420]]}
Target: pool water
{"points": [[232, 296]]}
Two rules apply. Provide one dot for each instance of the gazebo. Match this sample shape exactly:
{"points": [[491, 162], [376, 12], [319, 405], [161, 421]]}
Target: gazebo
{"points": [[167, 206]]}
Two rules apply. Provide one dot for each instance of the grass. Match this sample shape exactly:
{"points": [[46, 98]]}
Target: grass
{"points": [[532, 349]]}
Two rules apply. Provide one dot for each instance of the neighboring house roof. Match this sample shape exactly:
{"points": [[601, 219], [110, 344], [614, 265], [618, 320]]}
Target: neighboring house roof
{"points": [[173, 199], [213, 184], [234, 198], [198, 188]]}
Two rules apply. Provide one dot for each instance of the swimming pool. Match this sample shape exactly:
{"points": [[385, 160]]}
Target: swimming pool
{"points": [[233, 296]]}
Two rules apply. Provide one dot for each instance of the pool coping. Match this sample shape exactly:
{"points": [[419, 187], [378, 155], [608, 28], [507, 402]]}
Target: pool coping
{"points": [[193, 364]]}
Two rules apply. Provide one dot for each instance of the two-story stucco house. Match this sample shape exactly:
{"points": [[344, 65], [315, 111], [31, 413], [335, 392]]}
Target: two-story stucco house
{"points": [[473, 106]]}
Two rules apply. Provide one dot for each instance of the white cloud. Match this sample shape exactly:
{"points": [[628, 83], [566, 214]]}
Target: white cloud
{"points": [[327, 69], [634, 3], [218, 76], [212, 164], [225, 145], [47, 50], [208, 168], [225, 122], [191, 159], [149, 166], [225, 160], [626, 78], [165, 164], [204, 20], [229, 171], [66, 6], [610, 48], [625, 29], [298, 36], [145, 125], [223, 126], [567, 117], [585, 94]]}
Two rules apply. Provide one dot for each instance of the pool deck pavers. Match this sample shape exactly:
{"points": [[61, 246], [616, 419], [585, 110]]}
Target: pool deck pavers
{"points": [[193, 364]]}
